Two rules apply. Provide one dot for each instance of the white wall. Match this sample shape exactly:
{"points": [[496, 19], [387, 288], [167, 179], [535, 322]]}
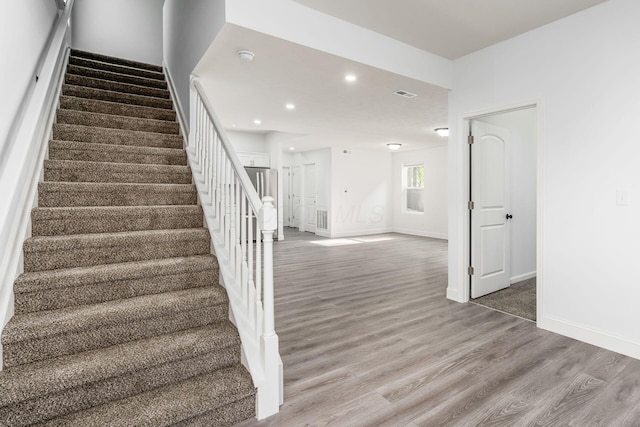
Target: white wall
{"points": [[189, 29], [249, 142], [433, 222], [361, 190], [584, 71], [522, 126], [130, 29], [26, 26]]}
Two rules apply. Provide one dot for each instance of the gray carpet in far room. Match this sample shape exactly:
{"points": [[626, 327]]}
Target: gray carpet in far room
{"points": [[518, 299]]}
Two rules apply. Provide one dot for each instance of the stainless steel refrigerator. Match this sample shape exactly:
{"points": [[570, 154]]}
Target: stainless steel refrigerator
{"points": [[265, 182]]}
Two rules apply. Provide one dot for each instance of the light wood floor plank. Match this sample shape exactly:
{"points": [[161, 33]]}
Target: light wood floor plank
{"points": [[368, 338]]}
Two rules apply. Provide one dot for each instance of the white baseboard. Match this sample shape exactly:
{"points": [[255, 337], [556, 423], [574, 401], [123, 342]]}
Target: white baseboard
{"points": [[356, 233], [323, 233], [453, 295], [521, 277], [590, 335], [420, 233]]}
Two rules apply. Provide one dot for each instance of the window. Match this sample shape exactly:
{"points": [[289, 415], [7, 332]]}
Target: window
{"points": [[413, 188]]}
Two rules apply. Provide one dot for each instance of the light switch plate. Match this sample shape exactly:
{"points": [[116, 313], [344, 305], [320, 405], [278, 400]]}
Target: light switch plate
{"points": [[622, 198]]}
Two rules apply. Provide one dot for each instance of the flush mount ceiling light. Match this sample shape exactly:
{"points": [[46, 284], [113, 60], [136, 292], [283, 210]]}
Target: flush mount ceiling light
{"points": [[292, 148], [351, 77], [257, 122], [246, 55], [442, 131], [394, 146], [290, 106]]}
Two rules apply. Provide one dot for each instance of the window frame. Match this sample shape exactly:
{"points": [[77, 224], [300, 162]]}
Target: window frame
{"points": [[405, 187]]}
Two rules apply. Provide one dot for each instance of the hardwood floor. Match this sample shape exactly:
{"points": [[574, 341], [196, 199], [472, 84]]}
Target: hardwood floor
{"points": [[368, 338]]}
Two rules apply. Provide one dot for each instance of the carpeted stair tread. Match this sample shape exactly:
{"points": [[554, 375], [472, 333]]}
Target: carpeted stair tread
{"points": [[115, 77], [77, 80], [67, 372], [119, 318], [83, 171], [113, 60], [112, 219], [53, 289], [116, 108], [41, 335], [95, 152], [167, 369], [174, 404], [121, 69], [80, 133], [100, 120], [225, 416], [66, 194], [82, 250], [114, 96]]}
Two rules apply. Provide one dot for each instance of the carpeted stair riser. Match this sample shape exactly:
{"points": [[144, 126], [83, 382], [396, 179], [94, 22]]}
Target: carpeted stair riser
{"points": [[113, 219], [76, 370], [80, 171], [116, 77], [227, 416], [134, 368], [68, 402], [116, 136], [36, 336], [116, 108], [120, 69], [119, 319], [67, 194], [84, 118], [120, 97], [24, 352], [90, 152], [113, 60], [82, 250], [73, 79], [180, 404], [69, 288]]}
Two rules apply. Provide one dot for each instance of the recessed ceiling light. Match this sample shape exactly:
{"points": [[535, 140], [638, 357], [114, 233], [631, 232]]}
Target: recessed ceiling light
{"points": [[292, 148], [290, 106], [394, 146], [351, 77], [257, 122], [233, 125], [442, 131]]}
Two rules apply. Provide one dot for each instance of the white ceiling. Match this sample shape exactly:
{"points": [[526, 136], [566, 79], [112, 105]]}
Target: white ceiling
{"points": [[329, 111], [364, 114], [450, 28]]}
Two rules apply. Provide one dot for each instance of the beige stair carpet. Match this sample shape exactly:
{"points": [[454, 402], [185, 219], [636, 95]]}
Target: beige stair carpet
{"points": [[120, 320]]}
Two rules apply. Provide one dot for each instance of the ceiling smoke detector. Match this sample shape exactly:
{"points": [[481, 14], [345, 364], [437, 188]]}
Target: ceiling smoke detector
{"points": [[246, 55], [405, 94]]}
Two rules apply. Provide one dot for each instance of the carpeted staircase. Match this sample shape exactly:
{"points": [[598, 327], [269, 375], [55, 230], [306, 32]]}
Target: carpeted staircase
{"points": [[119, 318]]}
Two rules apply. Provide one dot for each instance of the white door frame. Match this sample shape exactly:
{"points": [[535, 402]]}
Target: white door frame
{"points": [[286, 198], [463, 196]]}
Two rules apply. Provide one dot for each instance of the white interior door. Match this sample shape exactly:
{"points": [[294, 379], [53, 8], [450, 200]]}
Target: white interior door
{"points": [[310, 199], [490, 235], [296, 197], [286, 196]]}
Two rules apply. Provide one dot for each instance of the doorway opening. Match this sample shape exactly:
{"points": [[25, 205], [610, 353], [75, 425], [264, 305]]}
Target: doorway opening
{"points": [[502, 237]]}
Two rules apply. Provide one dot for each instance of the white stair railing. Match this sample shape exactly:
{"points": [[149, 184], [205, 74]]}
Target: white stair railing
{"points": [[241, 227]]}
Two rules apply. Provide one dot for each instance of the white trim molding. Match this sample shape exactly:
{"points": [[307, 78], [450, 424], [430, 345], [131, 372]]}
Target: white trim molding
{"points": [[590, 335]]}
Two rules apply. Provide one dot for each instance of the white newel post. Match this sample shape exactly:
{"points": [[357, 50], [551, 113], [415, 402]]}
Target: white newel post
{"points": [[268, 400]]}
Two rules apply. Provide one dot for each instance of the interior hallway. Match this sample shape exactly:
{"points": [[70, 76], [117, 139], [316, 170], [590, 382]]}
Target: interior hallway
{"points": [[368, 338]]}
